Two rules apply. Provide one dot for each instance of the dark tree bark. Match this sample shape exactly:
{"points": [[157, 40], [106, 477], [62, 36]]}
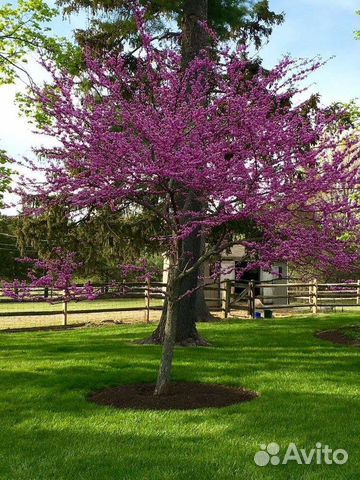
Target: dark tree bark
{"points": [[187, 308], [191, 308], [186, 331], [193, 38]]}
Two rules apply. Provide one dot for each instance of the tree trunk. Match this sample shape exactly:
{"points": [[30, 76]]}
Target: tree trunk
{"points": [[186, 333], [193, 36], [202, 310], [192, 308], [164, 374], [187, 305], [178, 321]]}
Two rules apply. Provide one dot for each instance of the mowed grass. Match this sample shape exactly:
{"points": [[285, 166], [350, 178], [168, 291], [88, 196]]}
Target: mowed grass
{"points": [[309, 392]]}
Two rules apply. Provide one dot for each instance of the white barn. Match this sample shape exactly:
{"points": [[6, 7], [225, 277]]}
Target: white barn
{"points": [[235, 259]]}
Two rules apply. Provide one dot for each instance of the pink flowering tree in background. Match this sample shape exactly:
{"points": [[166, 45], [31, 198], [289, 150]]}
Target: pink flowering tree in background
{"points": [[55, 274], [238, 147]]}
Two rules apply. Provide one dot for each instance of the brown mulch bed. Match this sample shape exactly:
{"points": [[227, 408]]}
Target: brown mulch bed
{"points": [[182, 396], [339, 337]]}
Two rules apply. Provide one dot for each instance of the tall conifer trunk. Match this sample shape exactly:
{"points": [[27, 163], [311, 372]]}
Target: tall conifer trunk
{"points": [[192, 308], [194, 37]]}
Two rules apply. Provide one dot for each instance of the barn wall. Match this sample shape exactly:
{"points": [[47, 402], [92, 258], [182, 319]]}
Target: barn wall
{"points": [[279, 291]]}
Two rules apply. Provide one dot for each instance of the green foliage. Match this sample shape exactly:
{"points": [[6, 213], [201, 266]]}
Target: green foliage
{"points": [[102, 239], [348, 114], [5, 175], [9, 250], [357, 33], [33, 110], [243, 20], [22, 30], [231, 19]]}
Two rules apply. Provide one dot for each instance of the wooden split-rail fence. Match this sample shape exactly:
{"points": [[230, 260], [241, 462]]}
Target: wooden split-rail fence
{"points": [[228, 297], [313, 296]]}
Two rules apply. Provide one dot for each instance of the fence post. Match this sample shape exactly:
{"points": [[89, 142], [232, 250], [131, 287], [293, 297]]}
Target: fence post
{"points": [[314, 296], [251, 299], [224, 298], [358, 293], [227, 298], [65, 312], [147, 300]]}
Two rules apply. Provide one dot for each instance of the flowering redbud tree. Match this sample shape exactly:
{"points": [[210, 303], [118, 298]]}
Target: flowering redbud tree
{"points": [[211, 149], [55, 273]]}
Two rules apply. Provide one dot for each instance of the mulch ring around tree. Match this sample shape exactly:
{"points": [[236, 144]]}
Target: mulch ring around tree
{"points": [[182, 396], [342, 336]]}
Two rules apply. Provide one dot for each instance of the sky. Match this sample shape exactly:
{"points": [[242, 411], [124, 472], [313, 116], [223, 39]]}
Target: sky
{"points": [[324, 27], [311, 27]]}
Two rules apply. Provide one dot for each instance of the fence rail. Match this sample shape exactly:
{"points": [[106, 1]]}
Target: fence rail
{"points": [[225, 297], [257, 296], [127, 297]]}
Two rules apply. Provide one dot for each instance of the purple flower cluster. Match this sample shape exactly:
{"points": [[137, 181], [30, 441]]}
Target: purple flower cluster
{"points": [[55, 273]]}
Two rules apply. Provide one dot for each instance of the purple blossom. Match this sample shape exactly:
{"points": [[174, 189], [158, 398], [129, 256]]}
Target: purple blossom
{"points": [[240, 144], [54, 273]]}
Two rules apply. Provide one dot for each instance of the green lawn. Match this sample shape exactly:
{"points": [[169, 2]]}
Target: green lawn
{"points": [[309, 393]]}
